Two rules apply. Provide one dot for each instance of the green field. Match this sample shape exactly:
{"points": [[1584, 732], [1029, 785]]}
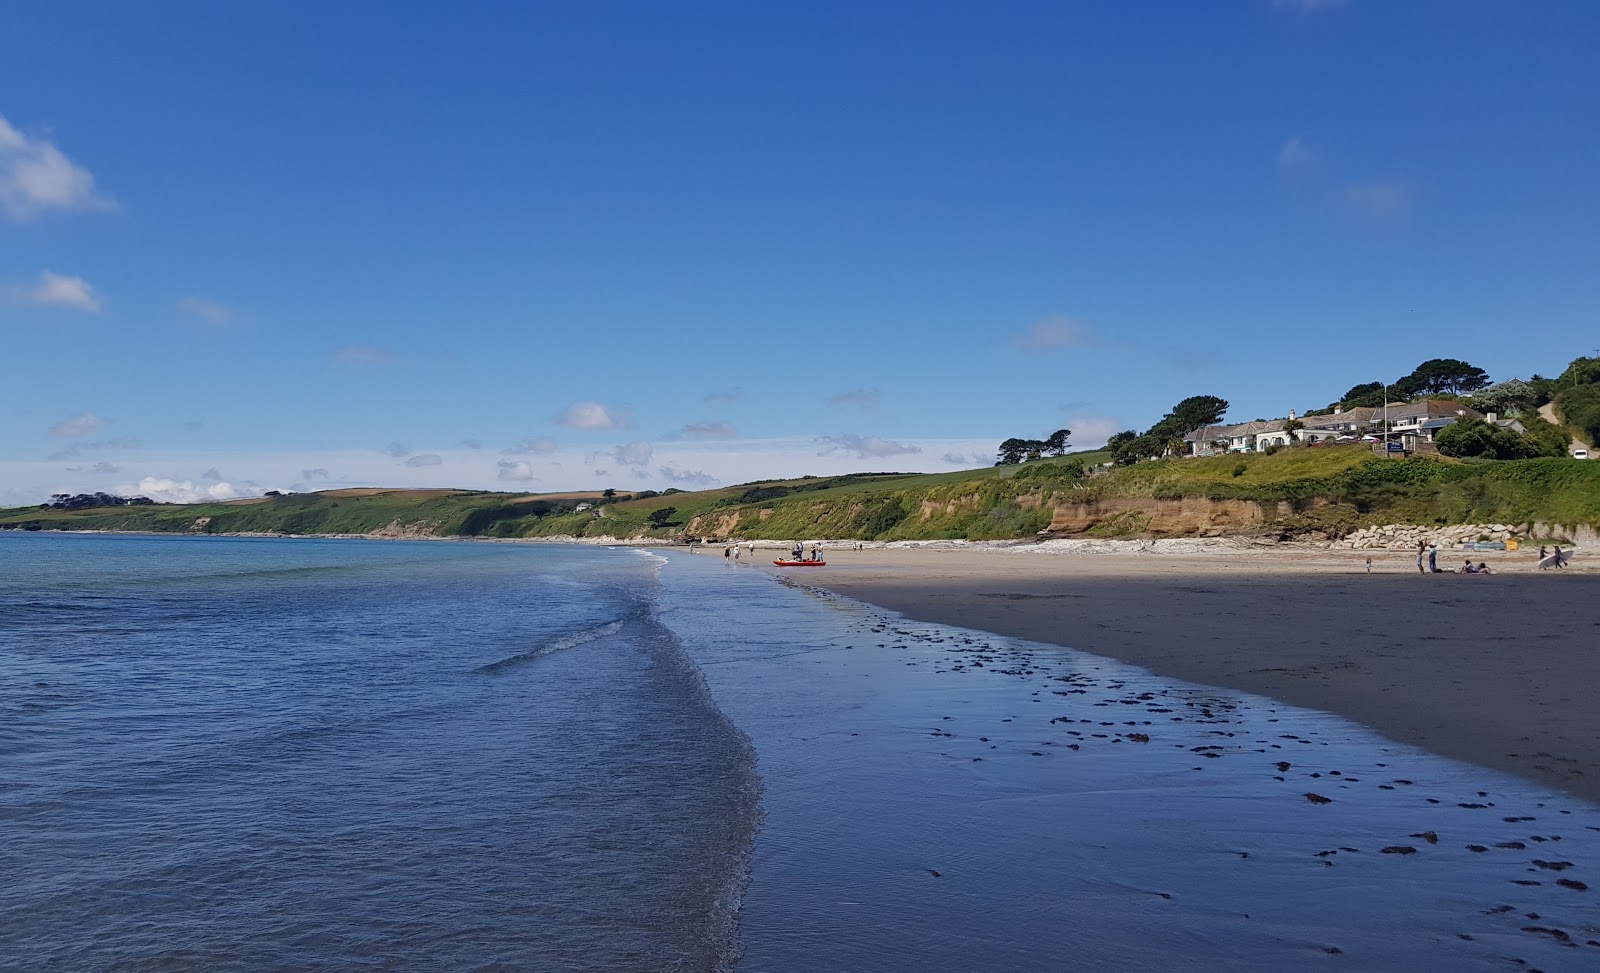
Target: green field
{"points": [[1304, 492]]}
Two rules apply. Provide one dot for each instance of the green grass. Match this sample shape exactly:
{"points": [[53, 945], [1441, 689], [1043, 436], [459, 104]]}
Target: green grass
{"points": [[1327, 490]]}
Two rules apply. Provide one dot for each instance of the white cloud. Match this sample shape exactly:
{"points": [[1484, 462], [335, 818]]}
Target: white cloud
{"points": [[1379, 200], [425, 459], [363, 355], [104, 467], [212, 475], [967, 460], [636, 455], [77, 425], [1308, 6], [591, 415], [689, 477], [36, 176], [864, 399], [164, 490], [1054, 331], [1295, 157], [518, 470], [708, 430], [865, 447], [55, 290], [1091, 432], [208, 311], [523, 447]]}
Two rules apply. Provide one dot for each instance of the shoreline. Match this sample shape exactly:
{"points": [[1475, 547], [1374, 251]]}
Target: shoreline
{"points": [[1494, 671]]}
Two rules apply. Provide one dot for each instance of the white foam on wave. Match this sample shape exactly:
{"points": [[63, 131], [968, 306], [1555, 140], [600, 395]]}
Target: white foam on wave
{"points": [[568, 641]]}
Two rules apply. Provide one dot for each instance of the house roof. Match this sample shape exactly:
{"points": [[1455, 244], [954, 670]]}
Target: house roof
{"points": [[1254, 428], [1397, 412]]}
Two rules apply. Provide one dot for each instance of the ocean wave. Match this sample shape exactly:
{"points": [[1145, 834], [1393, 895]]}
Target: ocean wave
{"points": [[567, 641]]}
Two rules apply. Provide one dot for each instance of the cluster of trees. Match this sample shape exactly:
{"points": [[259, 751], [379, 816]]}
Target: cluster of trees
{"points": [[1477, 438], [1195, 412], [83, 501], [1014, 451], [1577, 397], [1434, 377]]}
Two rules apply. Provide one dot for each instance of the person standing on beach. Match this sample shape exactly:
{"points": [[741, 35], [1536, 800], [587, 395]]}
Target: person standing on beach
{"points": [[1433, 559], [725, 553], [1369, 565], [1420, 568]]}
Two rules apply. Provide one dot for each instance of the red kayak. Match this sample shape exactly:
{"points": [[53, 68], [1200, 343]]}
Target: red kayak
{"points": [[800, 564]]}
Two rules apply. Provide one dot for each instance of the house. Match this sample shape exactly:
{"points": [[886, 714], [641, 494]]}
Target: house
{"points": [[1408, 423], [1243, 437]]}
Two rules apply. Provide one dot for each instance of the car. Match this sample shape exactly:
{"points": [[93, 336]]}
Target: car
{"points": [[1580, 454]]}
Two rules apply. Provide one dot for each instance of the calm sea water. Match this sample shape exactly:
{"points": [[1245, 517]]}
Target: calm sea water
{"points": [[270, 754], [302, 754]]}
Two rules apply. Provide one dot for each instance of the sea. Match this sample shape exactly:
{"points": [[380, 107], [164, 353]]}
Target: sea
{"points": [[303, 754]]}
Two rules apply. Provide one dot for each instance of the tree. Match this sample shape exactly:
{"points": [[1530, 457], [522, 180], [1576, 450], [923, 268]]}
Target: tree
{"points": [[1442, 375], [609, 493], [1582, 371], [1197, 411], [1056, 443], [1508, 398], [1476, 438], [1119, 446], [1365, 395], [1012, 452], [662, 517], [1579, 408]]}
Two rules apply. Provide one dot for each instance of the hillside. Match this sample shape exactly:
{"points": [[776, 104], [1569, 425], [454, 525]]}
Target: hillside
{"points": [[1316, 493]]}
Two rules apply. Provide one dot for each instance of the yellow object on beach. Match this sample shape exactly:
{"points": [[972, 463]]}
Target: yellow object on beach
{"points": [[1511, 544]]}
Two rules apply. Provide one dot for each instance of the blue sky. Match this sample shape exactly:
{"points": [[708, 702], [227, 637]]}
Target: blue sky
{"points": [[554, 246]]}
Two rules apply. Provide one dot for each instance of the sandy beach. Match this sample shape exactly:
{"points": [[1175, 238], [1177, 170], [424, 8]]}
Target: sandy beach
{"points": [[1498, 671]]}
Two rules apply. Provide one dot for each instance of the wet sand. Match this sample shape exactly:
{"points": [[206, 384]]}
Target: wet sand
{"points": [[1498, 671]]}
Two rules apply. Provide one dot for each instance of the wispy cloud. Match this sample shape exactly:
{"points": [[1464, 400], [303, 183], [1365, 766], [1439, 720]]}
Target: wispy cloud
{"points": [[163, 490], [966, 460], [101, 467], [863, 399], [689, 477], [635, 455], [1296, 157], [79, 425], [36, 176], [708, 430], [1053, 332], [1308, 6], [724, 396], [315, 473], [517, 470], [54, 290], [865, 447], [472, 443], [363, 355], [542, 446], [425, 459], [1091, 432], [1381, 200], [397, 450], [592, 415], [208, 312]]}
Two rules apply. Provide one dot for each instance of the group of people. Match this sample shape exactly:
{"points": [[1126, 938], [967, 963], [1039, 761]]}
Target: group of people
{"points": [[798, 552]]}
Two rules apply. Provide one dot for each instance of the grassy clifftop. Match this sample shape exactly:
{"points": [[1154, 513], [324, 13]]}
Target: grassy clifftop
{"points": [[1296, 491]]}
